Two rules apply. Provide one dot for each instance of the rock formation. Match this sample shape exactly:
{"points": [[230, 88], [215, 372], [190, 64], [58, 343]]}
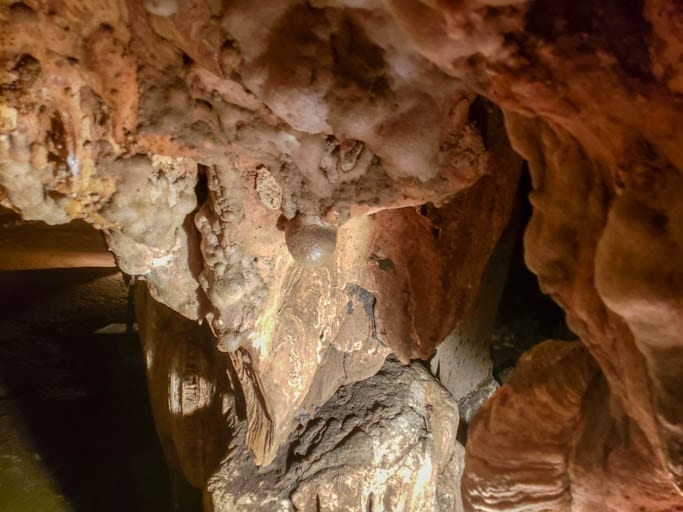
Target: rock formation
{"points": [[381, 444], [320, 184]]}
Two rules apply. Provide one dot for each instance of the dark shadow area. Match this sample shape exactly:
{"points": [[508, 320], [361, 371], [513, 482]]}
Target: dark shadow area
{"points": [[526, 316], [74, 407]]}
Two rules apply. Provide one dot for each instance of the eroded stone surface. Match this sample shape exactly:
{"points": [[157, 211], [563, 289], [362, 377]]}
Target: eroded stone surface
{"points": [[386, 443], [192, 403], [547, 429]]}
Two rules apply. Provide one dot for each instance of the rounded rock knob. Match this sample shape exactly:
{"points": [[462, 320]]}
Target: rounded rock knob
{"points": [[310, 241]]}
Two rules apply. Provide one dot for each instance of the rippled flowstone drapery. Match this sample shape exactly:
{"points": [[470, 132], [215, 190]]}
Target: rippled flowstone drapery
{"points": [[198, 136]]}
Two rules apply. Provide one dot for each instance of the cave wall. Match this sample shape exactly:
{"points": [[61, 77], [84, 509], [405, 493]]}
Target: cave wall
{"points": [[320, 185]]}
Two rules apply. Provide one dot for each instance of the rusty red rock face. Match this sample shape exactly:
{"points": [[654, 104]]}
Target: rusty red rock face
{"points": [[191, 132]]}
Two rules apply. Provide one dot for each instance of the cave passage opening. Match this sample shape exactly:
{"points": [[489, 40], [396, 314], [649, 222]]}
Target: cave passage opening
{"points": [[76, 431]]}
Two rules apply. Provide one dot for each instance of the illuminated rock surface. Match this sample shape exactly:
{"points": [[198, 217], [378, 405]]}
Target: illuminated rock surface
{"points": [[198, 135]]}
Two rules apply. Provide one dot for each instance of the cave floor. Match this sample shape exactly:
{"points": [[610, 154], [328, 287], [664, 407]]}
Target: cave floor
{"points": [[76, 431]]}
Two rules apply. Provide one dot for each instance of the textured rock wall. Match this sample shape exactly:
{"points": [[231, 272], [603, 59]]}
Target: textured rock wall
{"points": [[320, 183], [603, 148], [387, 443], [194, 135]]}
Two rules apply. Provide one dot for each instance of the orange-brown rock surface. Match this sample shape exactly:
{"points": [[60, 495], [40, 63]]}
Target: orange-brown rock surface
{"points": [[552, 439], [386, 443], [321, 183]]}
